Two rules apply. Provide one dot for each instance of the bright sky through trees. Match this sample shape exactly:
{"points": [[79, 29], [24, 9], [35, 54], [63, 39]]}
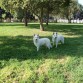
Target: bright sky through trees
{"points": [[80, 1]]}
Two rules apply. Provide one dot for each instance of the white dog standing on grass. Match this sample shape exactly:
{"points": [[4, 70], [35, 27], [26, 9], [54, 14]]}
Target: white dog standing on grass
{"points": [[41, 41], [56, 38]]}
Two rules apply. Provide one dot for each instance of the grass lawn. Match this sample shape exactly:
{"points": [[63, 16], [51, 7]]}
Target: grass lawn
{"points": [[21, 63]]}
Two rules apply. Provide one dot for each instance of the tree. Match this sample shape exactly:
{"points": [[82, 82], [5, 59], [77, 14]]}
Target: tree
{"points": [[49, 8], [68, 8], [43, 7], [36, 7]]}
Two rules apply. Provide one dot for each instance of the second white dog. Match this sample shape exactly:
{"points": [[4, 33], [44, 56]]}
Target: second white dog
{"points": [[56, 38], [41, 41]]}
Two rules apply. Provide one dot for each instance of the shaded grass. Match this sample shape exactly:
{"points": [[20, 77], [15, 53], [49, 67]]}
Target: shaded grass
{"points": [[21, 63]]}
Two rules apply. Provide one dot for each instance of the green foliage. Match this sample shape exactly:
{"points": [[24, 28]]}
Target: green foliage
{"points": [[34, 6], [68, 8], [3, 15], [14, 7]]}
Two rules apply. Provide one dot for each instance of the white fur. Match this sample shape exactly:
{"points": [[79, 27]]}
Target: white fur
{"points": [[56, 38], [41, 41]]}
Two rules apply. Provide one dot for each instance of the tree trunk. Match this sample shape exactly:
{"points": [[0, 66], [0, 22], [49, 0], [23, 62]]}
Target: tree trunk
{"points": [[47, 19], [68, 16], [69, 20], [0, 19], [26, 17], [41, 20], [8, 20], [56, 20], [41, 24]]}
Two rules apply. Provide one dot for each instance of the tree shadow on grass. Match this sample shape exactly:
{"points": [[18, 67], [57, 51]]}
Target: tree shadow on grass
{"points": [[68, 29], [22, 48], [32, 26]]}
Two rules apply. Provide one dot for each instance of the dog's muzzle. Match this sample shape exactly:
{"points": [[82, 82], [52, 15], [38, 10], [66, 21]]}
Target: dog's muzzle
{"points": [[55, 37], [36, 40]]}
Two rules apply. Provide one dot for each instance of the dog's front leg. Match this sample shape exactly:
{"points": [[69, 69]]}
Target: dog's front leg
{"points": [[56, 44], [38, 48], [53, 41]]}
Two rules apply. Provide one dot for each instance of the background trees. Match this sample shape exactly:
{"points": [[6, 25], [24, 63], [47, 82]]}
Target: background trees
{"points": [[41, 8], [69, 7]]}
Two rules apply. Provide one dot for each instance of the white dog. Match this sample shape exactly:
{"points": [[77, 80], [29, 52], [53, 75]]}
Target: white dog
{"points": [[56, 38], [41, 41]]}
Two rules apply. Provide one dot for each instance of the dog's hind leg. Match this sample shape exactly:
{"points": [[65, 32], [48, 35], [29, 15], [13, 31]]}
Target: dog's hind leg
{"points": [[49, 46], [62, 40], [56, 44], [53, 42]]}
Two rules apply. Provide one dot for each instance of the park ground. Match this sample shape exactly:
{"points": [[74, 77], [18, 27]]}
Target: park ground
{"points": [[21, 63]]}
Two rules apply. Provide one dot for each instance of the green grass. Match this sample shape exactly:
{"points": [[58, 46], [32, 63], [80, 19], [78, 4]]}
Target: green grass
{"points": [[21, 63]]}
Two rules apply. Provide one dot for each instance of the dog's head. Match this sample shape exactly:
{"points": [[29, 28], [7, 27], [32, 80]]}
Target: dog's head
{"points": [[36, 36], [54, 34]]}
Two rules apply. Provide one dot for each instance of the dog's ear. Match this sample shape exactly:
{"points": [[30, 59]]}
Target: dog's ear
{"points": [[34, 35], [53, 33], [38, 34]]}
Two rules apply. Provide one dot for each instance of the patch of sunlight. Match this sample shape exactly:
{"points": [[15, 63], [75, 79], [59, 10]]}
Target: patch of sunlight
{"points": [[13, 71], [73, 36], [63, 60], [31, 32], [70, 35], [26, 73], [44, 68], [6, 71], [1, 42]]}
